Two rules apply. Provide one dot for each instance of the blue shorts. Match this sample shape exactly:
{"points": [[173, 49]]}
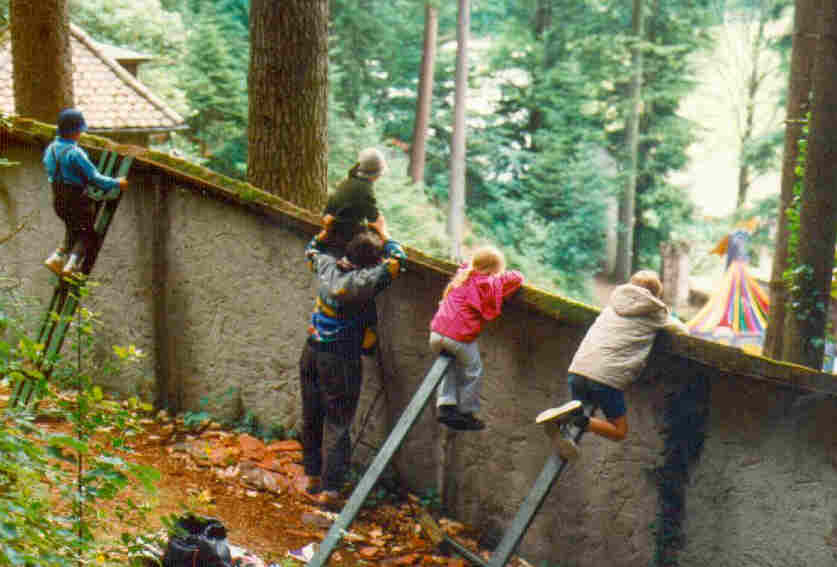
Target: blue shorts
{"points": [[609, 399]]}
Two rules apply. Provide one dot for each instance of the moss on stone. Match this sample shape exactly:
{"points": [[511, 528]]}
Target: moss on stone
{"points": [[727, 359]]}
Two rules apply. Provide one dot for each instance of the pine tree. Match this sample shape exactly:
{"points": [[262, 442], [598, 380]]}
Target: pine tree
{"points": [[215, 85]]}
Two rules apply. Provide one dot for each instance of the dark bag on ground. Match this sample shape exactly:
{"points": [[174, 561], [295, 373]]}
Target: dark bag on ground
{"points": [[198, 542]]}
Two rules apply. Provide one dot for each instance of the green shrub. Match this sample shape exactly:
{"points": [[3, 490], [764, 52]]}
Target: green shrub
{"points": [[60, 487]]}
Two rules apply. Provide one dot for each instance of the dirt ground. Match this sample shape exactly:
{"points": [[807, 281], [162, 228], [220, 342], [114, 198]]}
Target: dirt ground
{"points": [[270, 517], [250, 486]]}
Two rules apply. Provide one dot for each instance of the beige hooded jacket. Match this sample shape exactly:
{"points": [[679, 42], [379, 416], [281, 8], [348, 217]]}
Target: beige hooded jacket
{"points": [[615, 347]]}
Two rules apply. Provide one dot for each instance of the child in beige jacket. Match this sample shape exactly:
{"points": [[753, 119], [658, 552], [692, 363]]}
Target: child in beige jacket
{"points": [[610, 357]]}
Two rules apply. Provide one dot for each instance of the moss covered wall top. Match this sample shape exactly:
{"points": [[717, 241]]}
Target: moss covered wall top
{"points": [[722, 357]]}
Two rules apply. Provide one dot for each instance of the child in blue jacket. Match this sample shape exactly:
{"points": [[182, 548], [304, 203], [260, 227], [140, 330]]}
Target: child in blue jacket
{"points": [[76, 186]]}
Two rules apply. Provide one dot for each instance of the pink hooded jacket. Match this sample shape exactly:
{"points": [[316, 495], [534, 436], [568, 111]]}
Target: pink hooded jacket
{"points": [[480, 298]]}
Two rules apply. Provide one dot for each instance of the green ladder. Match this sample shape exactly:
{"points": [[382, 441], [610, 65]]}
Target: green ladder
{"points": [[553, 468], [65, 297]]}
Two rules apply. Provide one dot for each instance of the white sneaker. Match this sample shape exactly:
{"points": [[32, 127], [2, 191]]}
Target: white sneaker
{"points": [[56, 261], [73, 265], [560, 414]]}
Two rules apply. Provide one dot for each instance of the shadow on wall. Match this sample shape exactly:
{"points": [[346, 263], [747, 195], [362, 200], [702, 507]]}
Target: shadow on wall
{"points": [[685, 419]]}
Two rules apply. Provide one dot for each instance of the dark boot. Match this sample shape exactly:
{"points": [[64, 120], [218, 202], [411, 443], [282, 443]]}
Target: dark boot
{"points": [[472, 423], [450, 416]]}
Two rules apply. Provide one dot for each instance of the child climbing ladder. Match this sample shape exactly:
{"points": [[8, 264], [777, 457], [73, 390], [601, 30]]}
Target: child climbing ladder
{"points": [[87, 213], [76, 189]]}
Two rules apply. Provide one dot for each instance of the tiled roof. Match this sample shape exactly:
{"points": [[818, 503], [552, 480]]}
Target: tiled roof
{"points": [[109, 96]]}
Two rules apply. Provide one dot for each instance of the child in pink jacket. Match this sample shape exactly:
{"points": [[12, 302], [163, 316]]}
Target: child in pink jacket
{"points": [[473, 296]]}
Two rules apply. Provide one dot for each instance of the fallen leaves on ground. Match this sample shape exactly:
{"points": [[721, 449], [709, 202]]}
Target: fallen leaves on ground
{"points": [[252, 488]]}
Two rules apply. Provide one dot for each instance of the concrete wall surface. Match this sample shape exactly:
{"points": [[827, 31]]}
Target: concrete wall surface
{"points": [[207, 277]]}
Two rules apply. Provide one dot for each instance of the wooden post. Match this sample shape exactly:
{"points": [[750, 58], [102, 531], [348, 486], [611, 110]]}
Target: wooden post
{"points": [[675, 273]]}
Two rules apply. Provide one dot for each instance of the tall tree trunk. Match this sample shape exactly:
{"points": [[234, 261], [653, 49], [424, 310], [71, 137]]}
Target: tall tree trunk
{"points": [[456, 216], [41, 58], [743, 185], [425, 94], [627, 203], [753, 85], [802, 61], [818, 213], [541, 24], [287, 132]]}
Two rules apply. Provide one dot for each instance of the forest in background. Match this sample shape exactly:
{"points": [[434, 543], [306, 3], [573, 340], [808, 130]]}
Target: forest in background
{"points": [[545, 155]]}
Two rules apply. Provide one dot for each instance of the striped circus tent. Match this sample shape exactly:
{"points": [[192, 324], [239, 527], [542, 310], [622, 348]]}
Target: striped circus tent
{"points": [[736, 313]]}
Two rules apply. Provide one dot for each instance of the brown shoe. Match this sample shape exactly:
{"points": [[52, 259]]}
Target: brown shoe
{"points": [[329, 499], [56, 261], [305, 483], [565, 446]]}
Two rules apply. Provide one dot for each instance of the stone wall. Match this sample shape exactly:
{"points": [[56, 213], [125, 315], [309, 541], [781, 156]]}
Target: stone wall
{"points": [[765, 490], [207, 276]]}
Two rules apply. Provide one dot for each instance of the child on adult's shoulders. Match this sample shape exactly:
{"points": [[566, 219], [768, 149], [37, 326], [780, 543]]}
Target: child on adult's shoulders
{"points": [[353, 203], [351, 210], [330, 366]]}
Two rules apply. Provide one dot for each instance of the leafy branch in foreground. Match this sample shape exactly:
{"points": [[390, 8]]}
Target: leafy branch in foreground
{"points": [[67, 492]]}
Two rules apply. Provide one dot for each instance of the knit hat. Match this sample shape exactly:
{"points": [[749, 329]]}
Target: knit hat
{"points": [[71, 121], [371, 162]]}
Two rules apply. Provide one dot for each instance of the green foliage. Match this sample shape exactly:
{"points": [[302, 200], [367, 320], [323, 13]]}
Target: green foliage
{"points": [[244, 423], [248, 423], [430, 500], [544, 157], [59, 488], [663, 211], [415, 221], [4, 123], [347, 136], [793, 209], [376, 49], [834, 277], [795, 274], [195, 419], [200, 55], [142, 26], [798, 276], [214, 78], [146, 27]]}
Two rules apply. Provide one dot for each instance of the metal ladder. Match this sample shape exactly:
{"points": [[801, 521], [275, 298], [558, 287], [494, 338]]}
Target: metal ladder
{"points": [[553, 468], [65, 297]]}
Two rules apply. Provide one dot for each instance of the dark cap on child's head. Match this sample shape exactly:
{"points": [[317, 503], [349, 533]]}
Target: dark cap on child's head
{"points": [[71, 121]]}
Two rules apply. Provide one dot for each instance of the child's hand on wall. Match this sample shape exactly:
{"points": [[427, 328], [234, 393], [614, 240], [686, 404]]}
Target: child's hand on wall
{"points": [[328, 222]]}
